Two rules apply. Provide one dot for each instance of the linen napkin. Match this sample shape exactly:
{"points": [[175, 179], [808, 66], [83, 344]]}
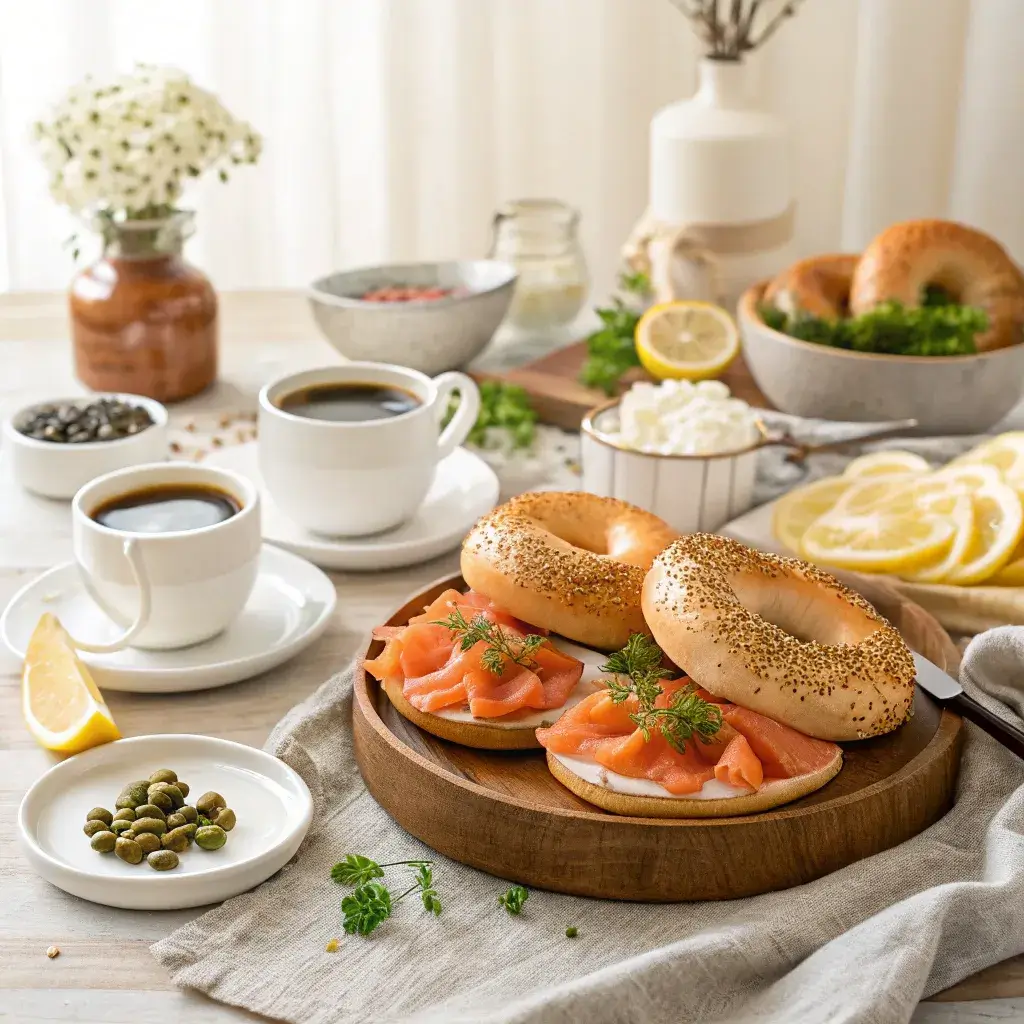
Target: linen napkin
{"points": [[864, 944]]}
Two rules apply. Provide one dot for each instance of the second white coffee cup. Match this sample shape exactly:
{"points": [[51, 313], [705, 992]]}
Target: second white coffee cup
{"points": [[348, 478]]}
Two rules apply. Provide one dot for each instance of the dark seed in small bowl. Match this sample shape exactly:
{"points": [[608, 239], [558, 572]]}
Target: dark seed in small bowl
{"points": [[105, 419]]}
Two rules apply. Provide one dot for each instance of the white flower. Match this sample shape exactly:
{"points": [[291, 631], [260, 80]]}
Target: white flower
{"points": [[128, 148]]}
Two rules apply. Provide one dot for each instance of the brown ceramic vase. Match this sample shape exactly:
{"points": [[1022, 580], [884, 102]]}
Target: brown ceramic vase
{"points": [[142, 320]]}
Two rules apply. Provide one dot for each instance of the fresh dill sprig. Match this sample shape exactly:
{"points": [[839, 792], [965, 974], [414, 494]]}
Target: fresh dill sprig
{"points": [[513, 899], [638, 672], [501, 645], [371, 902]]}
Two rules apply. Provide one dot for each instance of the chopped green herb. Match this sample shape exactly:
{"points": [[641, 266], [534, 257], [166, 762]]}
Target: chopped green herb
{"points": [[503, 406], [571, 932], [514, 899]]}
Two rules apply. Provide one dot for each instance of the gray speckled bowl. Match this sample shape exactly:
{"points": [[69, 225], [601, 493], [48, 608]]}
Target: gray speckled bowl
{"points": [[945, 394], [431, 336]]}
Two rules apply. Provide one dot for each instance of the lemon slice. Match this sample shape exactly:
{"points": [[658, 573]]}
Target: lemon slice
{"points": [[877, 543], [998, 527], [959, 509], [1011, 574], [686, 340], [967, 477], [63, 709], [887, 464], [866, 496], [1005, 453], [795, 511]]}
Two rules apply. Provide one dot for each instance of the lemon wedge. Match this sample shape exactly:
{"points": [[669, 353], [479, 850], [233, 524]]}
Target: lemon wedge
{"points": [[887, 464], [998, 527], [877, 542], [686, 340], [794, 512], [63, 709]]}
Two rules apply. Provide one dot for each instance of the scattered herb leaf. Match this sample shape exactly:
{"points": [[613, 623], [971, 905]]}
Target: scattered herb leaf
{"points": [[366, 908], [514, 899], [571, 932], [355, 870], [371, 903], [501, 644], [638, 672], [428, 894]]}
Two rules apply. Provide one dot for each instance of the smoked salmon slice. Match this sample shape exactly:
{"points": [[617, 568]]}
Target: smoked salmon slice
{"points": [[427, 660], [748, 750]]}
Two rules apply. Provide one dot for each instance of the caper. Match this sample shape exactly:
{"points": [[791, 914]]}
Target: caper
{"points": [[103, 842], [211, 837], [161, 800], [133, 794], [129, 851], [163, 775], [210, 802], [125, 814], [148, 842], [120, 826], [183, 787], [163, 860], [177, 840], [174, 820], [90, 828], [170, 789], [225, 818], [189, 813], [100, 814], [156, 825], [150, 811]]}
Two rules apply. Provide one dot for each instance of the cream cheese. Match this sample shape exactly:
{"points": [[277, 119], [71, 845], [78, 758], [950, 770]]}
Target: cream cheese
{"points": [[598, 775]]}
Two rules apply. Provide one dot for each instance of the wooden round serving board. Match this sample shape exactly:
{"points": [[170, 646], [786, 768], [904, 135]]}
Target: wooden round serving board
{"points": [[504, 813]]}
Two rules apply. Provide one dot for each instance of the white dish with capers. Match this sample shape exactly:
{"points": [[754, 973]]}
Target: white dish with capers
{"points": [[270, 809]]}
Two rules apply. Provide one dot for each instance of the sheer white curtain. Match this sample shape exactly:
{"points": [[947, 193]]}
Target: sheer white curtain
{"points": [[394, 127]]}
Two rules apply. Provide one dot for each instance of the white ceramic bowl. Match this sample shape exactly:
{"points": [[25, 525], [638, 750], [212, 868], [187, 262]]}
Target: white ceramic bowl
{"points": [[690, 492], [945, 394], [273, 805], [59, 470], [432, 336]]}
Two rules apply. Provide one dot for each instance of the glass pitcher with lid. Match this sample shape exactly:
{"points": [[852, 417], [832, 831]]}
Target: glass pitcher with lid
{"points": [[540, 237]]}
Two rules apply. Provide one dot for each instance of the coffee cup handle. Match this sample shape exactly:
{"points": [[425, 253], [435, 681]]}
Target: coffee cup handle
{"points": [[133, 554], [465, 416]]}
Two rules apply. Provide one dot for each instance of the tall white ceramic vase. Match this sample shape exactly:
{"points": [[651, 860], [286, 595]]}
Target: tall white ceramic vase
{"points": [[721, 168]]}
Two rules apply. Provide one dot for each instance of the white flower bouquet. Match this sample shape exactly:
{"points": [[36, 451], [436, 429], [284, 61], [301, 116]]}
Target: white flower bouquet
{"points": [[125, 150]]}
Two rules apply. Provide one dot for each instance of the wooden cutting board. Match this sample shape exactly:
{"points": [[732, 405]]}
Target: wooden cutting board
{"points": [[552, 382], [504, 813]]}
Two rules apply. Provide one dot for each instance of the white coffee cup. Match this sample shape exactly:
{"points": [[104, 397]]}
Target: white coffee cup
{"points": [[350, 479], [170, 589]]}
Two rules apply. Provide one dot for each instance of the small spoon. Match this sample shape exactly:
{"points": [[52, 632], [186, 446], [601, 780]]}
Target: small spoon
{"points": [[872, 432]]}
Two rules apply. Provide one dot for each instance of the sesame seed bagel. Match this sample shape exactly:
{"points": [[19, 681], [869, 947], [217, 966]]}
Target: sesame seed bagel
{"points": [[770, 794], [819, 286], [571, 562], [780, 637], [972, 267]]}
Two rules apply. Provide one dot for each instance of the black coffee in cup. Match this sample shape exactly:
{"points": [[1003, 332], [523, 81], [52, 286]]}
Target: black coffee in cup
{"points": [[356, 402], [168, 508]]}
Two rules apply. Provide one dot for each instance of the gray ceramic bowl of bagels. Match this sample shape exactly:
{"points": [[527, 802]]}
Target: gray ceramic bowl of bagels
{"points": [[945, 394]]}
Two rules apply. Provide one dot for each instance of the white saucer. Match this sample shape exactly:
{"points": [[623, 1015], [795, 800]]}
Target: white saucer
{"points": [[464, 489], [288, 609], [271, 801]]}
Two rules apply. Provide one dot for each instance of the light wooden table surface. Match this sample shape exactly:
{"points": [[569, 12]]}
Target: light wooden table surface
{"points": [[104, 952]]}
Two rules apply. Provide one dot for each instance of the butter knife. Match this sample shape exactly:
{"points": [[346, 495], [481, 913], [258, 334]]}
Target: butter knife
{"points": [[950, 694]]}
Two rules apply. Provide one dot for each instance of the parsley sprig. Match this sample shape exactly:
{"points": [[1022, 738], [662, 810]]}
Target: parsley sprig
{"points": [[638, 672], [611, 350], [501, 644], [370, 904]]}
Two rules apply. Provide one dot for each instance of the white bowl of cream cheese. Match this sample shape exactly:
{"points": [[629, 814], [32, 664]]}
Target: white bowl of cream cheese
{"points": [[686, 452]]}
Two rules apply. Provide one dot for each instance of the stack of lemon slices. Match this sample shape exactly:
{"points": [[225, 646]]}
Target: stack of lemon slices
{"points": [[890, 512]]}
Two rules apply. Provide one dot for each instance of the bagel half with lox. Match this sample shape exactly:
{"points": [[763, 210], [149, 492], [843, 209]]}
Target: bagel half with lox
{"points": [[555, 579], [781, 661]]}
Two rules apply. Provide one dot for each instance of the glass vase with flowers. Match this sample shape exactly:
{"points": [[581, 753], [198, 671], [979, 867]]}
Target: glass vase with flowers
{"points": [[120, 155]]}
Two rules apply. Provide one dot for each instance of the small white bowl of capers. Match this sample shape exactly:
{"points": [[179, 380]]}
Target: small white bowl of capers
{"points": [[144, 823], [57, 446]]}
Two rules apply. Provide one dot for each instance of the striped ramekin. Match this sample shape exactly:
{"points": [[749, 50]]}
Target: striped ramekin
{"points": [[690, 492]]}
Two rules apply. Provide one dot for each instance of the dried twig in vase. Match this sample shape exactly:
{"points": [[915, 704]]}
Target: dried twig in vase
{"points": [[729, 29]]}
